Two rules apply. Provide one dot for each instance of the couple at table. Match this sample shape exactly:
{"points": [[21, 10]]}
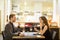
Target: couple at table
{"points": [[9, 31]]}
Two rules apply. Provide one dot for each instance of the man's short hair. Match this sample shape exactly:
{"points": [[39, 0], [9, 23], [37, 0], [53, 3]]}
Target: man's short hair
{"points": [[11, 16]]}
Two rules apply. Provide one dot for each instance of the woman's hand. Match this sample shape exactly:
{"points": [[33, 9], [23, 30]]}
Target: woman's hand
{"points": [[36, 29], [41, 25]]}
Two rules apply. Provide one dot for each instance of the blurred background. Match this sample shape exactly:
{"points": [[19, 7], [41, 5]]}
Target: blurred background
{"points": [[28, 12]]}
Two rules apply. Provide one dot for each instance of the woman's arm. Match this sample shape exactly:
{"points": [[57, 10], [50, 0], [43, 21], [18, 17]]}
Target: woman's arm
{"points": [[36, 29], [43, 31]]}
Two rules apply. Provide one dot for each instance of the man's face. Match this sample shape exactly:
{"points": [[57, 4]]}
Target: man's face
{"points": [[13, 18]]}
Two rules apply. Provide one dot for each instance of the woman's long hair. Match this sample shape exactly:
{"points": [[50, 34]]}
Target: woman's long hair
{"points": [[44, 20]]}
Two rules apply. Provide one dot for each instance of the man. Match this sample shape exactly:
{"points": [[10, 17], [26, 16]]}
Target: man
{"points": [[9, 28]]}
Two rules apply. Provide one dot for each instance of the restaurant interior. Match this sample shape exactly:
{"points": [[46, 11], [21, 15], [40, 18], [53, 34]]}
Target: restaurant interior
{"points": [[28, 13]]}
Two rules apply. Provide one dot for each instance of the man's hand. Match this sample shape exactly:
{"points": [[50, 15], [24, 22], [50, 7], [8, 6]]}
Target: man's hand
{"points": [[21, 35]]}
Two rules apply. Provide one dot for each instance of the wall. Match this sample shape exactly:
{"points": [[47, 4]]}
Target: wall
{"points": [[2, 13], [5, 9], [58, 11], [0, 20]]}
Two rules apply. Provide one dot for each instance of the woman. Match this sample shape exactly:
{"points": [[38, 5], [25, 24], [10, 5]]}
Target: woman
{"points": [[44, 28]]}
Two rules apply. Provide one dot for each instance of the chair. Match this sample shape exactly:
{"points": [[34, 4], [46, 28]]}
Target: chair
{"points": [[3, 35], [54, 35]]}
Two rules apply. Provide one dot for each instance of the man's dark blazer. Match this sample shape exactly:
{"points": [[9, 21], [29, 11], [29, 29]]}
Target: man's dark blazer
{"points": [[9, 31]]}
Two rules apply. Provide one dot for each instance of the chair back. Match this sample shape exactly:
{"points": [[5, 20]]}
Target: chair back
{"points": [[54, 34]]}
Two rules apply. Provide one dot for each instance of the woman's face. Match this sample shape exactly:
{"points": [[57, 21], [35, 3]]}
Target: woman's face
{"points": [[41, 21]]}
